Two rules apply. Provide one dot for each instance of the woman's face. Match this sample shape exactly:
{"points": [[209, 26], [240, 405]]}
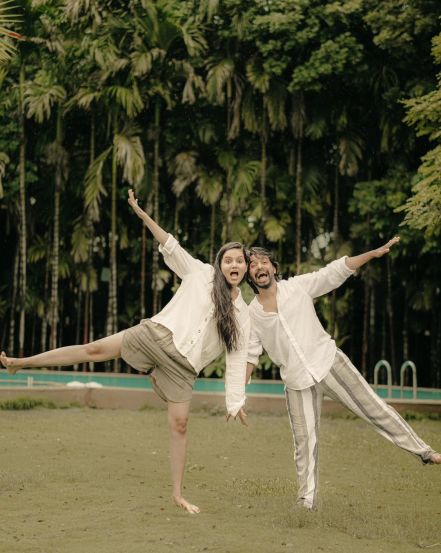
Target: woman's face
{"points": [[233, 266]]}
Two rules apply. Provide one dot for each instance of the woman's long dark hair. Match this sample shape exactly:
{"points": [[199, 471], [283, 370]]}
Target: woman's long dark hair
{"points": [[224, 316]]}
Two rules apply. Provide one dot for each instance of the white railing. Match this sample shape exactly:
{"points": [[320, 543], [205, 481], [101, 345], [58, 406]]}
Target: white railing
{"points": [[404, 366], [386, 365]]}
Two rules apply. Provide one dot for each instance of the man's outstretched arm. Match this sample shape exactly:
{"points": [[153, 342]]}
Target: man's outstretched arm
{"points": [[358, 261]]}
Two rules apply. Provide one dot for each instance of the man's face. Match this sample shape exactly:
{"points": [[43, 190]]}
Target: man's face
{"points": [[261, 271]]}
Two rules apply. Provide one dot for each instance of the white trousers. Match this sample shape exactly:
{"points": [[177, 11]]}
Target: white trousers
{"points": [[345, 384]]}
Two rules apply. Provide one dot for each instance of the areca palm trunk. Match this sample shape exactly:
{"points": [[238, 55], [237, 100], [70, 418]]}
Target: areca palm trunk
{"points": [[143, 273], [156, 163], [365, 338], [113, 289], [54, 301], [44, 321], [11, 341], [263, 176], [335, 248], [390, 314], [23, 241], [299, 194], [229, 183], [90, 236], [212, 231]]}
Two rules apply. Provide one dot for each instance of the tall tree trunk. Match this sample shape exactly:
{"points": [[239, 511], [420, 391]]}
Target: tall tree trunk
{"points": [[113, 260], [156, 163], [91, 330], [365, 338], [79, 317], [299, 193], [435, 342], [372, 328], [23, 241], [263, 178], [405, 329], [229, 205], [229, 175], [175, 233], [44, 321], [143, 272], [15, 279], [390, 314], [212, 231], [54, 307], [90, 238], [335, 238]]}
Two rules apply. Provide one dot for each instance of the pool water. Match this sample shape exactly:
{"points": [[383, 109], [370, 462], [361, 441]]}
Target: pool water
{"points": [[208, 385]]}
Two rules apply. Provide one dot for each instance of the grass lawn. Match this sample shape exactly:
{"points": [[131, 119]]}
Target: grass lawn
{"points": [[89, 481]]}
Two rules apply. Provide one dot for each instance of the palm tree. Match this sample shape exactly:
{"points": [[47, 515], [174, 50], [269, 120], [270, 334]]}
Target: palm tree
{"points": [[263, 110], [8, 17], [41, 97], [162, 46]]}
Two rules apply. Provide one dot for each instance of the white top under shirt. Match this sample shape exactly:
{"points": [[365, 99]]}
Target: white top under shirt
{"points": [[293, 337], [189, 316]]}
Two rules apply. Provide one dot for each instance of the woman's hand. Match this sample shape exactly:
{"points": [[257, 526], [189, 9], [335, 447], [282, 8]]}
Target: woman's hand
{"points": [[242, 417], [133, 202]]}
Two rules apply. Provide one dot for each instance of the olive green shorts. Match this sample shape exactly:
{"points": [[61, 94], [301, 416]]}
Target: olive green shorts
{"points": [[148, 347]]}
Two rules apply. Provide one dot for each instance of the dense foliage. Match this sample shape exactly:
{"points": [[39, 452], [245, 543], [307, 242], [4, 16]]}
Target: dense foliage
{"points": [[312, 127]]}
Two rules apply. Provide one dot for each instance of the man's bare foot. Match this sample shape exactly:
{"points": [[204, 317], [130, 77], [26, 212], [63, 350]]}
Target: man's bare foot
{"points": [[435, 459], [9, 363], [181, 502]]}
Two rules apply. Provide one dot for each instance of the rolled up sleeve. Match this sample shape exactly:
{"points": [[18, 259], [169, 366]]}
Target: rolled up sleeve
{"points": [[255, 348], [178, 259], [326, 279], [235, 374]]}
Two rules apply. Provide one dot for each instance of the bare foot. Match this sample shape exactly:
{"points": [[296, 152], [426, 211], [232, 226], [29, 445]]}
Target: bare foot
{"points": [[9, 363], [181, 502], [435, 459]]}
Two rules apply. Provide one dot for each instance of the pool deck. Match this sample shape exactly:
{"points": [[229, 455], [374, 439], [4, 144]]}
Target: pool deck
{"points": [[132, 398]]}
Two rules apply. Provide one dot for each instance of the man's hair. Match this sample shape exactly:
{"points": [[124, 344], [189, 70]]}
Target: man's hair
{"points": [[261, 252]]}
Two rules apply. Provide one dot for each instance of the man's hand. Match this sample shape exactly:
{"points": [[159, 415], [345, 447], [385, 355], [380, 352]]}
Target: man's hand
{"points": [[379, 252], [358, 261], [242, 417], [133, 202]]}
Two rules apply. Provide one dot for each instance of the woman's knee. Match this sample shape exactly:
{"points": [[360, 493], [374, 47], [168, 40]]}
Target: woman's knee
{"points": [[94, 349], [179, 424]]}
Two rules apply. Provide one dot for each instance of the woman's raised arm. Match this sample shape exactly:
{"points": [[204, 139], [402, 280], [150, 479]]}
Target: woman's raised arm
{"points": [[158, 232]]}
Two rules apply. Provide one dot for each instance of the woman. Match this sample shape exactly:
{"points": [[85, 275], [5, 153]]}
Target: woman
{"points": [[206, 316]]}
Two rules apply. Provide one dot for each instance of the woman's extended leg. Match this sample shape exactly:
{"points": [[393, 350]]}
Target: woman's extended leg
{"points": [[177, 420], [100, 350]]}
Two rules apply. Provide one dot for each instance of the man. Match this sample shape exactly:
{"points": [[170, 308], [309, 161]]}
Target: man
{"points": [[285, 324]]}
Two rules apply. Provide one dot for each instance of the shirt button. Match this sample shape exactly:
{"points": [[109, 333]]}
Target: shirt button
{"points": [[199, 331]]}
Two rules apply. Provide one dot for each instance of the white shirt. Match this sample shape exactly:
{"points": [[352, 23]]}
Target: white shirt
{"points": [[293, 337], [189, 316]]}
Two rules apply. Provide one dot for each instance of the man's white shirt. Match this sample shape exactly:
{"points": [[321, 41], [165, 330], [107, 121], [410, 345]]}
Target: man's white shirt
{"points": [[294, 338], [189, 316]]}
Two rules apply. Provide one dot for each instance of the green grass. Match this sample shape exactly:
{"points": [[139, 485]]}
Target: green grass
{"points": [[97, 481]]}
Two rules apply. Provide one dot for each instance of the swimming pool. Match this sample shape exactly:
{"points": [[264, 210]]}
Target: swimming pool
{"points": [[206, 385]]}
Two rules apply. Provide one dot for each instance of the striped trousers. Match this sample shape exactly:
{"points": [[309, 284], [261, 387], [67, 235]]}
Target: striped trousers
{"points": [[345, 384]]}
